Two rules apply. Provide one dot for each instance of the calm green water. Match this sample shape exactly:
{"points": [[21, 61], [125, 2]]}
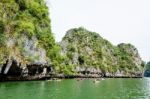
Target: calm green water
{"points": [[72, 89]]}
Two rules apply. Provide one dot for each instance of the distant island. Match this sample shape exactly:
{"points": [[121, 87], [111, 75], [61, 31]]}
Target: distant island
{"points": [[28, 50], [147, 70]]}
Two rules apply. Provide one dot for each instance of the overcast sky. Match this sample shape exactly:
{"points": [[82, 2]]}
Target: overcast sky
{"points": [[118, 21]]}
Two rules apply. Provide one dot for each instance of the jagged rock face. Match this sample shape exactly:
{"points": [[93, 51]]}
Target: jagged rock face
{"points": [[26, 48], [91, 54], [130, 53], [25, 35], [20, 60]]}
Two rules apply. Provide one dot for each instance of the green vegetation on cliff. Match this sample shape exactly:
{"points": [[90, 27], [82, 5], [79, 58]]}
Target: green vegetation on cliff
{"points": [[27, 43], [26, 23], [87, 49]]}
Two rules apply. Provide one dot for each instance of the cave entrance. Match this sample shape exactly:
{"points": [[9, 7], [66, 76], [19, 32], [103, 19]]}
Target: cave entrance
{"points": [[11, 68], [38, 69]]}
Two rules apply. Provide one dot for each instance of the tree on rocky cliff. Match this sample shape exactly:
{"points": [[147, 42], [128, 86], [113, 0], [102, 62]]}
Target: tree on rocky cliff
{"points": [[25, 32]]}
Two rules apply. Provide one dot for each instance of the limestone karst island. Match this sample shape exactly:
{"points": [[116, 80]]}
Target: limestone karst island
{"points": [[29, 51]]}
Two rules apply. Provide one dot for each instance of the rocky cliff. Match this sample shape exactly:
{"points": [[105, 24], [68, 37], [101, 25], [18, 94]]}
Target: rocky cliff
{"points": [[91, 55], [27, 46], [147, 70], [28, 49]]}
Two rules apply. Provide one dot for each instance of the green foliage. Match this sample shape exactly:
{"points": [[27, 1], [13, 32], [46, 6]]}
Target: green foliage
{"points": [[1, 27], [2, 40], [81, 59], [94, 51], [26, 28], [31, 18], [28, 18], [68, 69], [71, 48], [147, 67]]}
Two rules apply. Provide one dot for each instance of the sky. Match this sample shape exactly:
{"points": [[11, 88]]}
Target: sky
{"points": [[119, 21]]}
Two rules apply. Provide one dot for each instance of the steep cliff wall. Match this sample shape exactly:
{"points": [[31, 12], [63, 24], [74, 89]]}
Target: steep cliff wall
{"points": [[25, 36], [28, 48], [90, 54]]}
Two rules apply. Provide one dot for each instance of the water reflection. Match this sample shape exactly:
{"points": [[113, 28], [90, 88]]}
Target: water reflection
{"points": [[146, 87], [73, 89]]}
